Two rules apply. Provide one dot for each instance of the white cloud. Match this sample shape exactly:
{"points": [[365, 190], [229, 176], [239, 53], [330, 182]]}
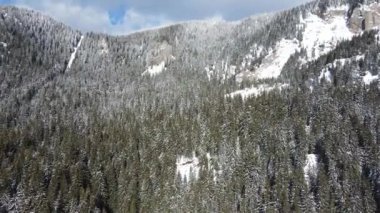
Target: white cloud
{"points": [[93, 15], [88, 18]]}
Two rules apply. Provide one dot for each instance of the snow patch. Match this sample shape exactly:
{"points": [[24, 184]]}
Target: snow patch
{"points": [[223, 72], [4, 44], [308, 129], [321, 36], [311, 168], [369, 78], [188, 168], [155, 69], [274, 62], [325, 74], [238, 149], [257, 50], [104, 47], [210, 71], [73, 55], [344, 61], [256, 91]]}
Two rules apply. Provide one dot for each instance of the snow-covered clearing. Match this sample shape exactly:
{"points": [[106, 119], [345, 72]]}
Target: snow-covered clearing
{"points": [[155, 69], [321, 36], [274, 62], [188, 168], [74, 54]]}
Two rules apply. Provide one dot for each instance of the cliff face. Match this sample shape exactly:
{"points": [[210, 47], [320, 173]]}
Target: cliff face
{"points": [[365, 17], [360, 18]]}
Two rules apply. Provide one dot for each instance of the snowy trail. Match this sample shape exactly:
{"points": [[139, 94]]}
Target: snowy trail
{"points": [[73, 55]]}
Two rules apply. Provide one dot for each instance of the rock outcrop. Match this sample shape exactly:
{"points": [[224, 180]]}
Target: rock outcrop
{"points": [[365, 17]]}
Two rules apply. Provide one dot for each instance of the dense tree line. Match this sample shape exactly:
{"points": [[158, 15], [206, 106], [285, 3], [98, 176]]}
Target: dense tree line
{"points": [[102, 137], [128, 162]]}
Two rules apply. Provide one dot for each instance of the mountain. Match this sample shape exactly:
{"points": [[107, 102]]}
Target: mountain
{"points": [[274, 113]]}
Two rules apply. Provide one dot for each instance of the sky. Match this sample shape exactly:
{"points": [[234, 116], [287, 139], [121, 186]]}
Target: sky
{"points": [[120, 17]]}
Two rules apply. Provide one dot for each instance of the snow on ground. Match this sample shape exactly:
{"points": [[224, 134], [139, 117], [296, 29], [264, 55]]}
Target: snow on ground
{"points": [[321, 36], [274, 62], [155, 69], [238, 148], [73, 55], [210, 71], [369, 78], [229, 71], [254, 53], [326, 74], [371, 7], [256, 91], [343, 61], [224, 72], [308, 129], [311, 167], [188, 168], [4, 44]]}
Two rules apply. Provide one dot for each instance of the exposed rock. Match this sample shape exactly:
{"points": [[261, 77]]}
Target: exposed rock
{"points": [[365, 17]]}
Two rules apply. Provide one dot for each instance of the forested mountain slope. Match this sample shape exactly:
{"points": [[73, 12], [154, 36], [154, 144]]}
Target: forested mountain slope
{"points": [[275, 113]]}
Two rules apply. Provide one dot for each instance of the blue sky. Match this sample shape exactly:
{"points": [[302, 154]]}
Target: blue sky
{"points": [[126, 16]]}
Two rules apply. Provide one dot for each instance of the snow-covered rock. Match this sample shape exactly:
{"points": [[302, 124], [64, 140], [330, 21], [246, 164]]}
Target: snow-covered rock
{"points": [[365, 17]]}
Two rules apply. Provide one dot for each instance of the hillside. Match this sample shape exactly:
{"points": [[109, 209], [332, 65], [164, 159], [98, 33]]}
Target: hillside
{"points": [[274, 113]]}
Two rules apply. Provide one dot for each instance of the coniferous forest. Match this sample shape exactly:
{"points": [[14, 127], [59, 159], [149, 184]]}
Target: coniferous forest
{"points": [[101, 133]]}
